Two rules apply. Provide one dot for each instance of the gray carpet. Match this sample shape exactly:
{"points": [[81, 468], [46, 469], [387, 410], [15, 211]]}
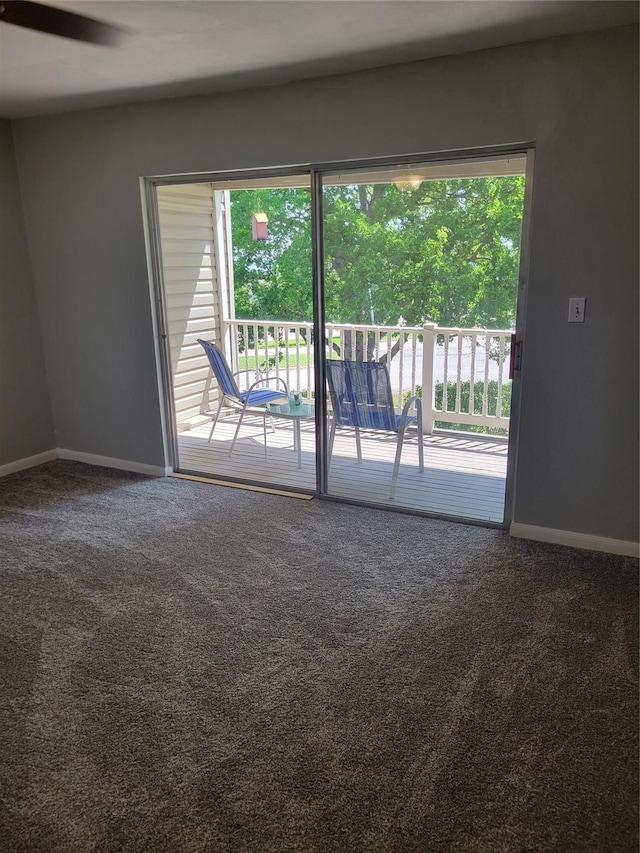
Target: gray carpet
{"points": [[191, 668]]}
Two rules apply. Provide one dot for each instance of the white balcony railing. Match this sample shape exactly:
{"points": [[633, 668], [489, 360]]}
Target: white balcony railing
{"points": [[448, 362]]}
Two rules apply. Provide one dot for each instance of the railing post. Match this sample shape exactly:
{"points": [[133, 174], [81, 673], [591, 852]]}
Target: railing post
{"points": [[428, 346], [230, 343]]}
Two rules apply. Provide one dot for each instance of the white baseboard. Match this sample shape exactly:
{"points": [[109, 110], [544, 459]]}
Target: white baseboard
{"points": [[110, 462], [28, 462], [575, 540], [88, 458]]}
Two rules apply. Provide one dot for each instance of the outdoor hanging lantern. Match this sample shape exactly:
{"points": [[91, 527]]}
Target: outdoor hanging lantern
{"points": [[259, 222]]}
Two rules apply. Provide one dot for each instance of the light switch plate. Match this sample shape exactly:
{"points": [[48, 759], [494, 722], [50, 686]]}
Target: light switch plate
{"points": [[576, 309]]}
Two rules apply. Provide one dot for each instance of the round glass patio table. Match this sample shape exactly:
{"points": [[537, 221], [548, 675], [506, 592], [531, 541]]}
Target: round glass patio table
{"points": [[295, 414]]}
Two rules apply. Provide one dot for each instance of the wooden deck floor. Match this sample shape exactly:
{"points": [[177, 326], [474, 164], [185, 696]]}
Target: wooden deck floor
{"points": [[464, 476]]}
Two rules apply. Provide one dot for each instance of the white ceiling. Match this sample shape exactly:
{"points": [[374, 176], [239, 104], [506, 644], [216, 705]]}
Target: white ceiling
{"points": [[180, 47]]}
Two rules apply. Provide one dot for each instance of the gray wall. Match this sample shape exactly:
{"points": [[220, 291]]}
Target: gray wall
{"points": [[576, 98], [26, 425]]}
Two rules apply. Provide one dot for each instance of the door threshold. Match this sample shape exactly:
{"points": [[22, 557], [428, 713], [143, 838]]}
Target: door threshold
{"points": [[249, 488]]}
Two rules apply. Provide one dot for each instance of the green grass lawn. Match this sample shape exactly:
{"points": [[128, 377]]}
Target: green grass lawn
{"points": [[248, 362]]}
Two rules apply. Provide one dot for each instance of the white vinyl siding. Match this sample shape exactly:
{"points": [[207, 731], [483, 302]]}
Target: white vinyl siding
{"points": [[192, 295]]}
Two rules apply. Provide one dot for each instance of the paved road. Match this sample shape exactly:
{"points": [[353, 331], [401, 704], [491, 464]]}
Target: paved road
{"points": [[452, 367]]}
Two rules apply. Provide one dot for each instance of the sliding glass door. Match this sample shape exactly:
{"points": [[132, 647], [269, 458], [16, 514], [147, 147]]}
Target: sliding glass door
{"points": [[366, 316], [238, 297], [420, 293]]}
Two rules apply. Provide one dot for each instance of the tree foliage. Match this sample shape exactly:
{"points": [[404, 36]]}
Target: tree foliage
{"points": [[273, 277], [446, 252]]}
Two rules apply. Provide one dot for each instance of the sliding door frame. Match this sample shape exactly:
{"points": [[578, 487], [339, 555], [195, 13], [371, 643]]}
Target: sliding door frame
{"points": [[518, 341], [317, 172], [319, 359], [149, 187]]}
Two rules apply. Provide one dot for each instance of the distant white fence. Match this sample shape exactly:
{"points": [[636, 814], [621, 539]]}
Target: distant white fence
{"points": [[465, 369]]}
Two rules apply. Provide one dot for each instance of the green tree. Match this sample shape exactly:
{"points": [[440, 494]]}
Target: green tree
{"points": [[273, 276], [446, 252]]}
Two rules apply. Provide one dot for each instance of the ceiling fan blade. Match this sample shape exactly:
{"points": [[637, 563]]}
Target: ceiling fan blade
{"points": [[58, 22]]}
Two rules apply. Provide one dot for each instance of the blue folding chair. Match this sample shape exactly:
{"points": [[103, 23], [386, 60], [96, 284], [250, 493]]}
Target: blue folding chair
{"points": [[361, 399], [254, 397]]}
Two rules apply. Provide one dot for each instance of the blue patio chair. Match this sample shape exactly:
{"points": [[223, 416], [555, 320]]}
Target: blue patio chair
{"points": [[361, 399], [254, 397]]}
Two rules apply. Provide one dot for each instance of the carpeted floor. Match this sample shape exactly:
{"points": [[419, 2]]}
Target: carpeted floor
{"points": [[191, 668]]}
